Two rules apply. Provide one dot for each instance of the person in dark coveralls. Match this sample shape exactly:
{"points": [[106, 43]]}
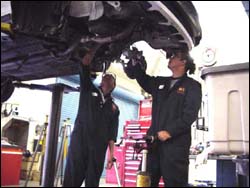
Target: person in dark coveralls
{"points": [[95, 129], [176, 102]]}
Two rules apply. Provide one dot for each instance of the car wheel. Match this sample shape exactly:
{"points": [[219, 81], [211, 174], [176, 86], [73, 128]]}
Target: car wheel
{"points": [[7, 88]]}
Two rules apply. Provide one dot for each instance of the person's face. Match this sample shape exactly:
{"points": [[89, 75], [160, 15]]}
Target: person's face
{"points": [[176, 61], [107, 84]]}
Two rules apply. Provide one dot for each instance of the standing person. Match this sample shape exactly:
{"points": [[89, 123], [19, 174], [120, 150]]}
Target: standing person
{"points": [[95, 129], [176, 102]]}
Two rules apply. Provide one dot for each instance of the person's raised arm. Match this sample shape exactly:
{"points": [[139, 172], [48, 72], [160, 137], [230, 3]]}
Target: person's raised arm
{"points": [[85, 79]]}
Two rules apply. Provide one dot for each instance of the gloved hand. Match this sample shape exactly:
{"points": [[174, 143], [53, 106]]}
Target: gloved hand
{"points": [[135, 65]]}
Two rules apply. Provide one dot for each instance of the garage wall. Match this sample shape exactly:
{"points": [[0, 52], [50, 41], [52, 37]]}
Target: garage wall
{"points": [[70, 100]]}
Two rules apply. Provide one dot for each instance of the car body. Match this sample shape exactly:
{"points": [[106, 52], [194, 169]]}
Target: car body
{"points": [[50, 38]]}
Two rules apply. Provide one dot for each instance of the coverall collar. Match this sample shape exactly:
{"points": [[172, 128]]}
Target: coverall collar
{"points": [[177, 78], [177, 84], [104, 97]]}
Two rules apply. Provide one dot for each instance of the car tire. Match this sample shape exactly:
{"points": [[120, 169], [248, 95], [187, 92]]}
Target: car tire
{"points": [[7, 88]]}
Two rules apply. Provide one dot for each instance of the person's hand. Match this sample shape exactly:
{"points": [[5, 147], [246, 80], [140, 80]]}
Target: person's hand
{"points": [[163, 135], [87, 59], [109, 162], [89, 56]]}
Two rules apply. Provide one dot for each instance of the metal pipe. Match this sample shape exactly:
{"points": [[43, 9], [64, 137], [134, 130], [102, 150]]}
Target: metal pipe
{"points": [[31, 86], [60, 153], [43, 148], [52, 138], [117, 172], [69, 50], [144, 160], [33, 158], [109, 39]]}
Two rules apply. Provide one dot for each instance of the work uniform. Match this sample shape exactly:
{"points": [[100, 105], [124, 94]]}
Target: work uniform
{"points": [[96, 124], [174, 109]]}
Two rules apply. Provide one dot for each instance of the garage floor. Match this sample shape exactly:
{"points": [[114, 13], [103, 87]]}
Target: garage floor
{"points": [[36, 184], [194, 174]]}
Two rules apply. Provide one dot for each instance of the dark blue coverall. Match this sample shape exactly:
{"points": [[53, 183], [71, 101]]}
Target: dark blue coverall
{"points": [[96, 124], [173, 110]]}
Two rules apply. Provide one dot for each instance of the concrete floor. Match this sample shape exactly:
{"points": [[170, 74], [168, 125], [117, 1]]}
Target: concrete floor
{"points": [[36, 184], [203, 172]]}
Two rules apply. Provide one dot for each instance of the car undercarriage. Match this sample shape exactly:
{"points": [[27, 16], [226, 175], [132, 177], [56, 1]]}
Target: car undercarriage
{"points": [[50, 38]]}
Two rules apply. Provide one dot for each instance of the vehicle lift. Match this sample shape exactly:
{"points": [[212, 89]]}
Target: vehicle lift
{"points": [[49, 166]]}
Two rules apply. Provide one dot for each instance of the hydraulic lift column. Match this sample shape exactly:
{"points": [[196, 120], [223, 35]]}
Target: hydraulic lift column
{"points": [[53, 127], [52, 138]]}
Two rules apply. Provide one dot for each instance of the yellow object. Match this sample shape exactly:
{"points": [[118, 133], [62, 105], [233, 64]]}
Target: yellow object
{"points": [[65, 144], [6, 27], [65, 149], [143, 180], [43, 141], [47, 119]]}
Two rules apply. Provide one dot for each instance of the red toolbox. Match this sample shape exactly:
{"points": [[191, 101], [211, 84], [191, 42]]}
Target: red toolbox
{"points": [[136, 127], [145, 109], [11, 160], [132, 160]]}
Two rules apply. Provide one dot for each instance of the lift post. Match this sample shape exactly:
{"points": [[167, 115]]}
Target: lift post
{"points": [[53, 128]]}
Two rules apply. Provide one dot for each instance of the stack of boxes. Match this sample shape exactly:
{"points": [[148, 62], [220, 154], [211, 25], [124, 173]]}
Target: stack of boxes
{"points": [[127, 159]]}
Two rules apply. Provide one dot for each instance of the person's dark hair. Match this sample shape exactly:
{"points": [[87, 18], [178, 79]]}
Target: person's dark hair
{"points": [[184, 54], [190, 66]]}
